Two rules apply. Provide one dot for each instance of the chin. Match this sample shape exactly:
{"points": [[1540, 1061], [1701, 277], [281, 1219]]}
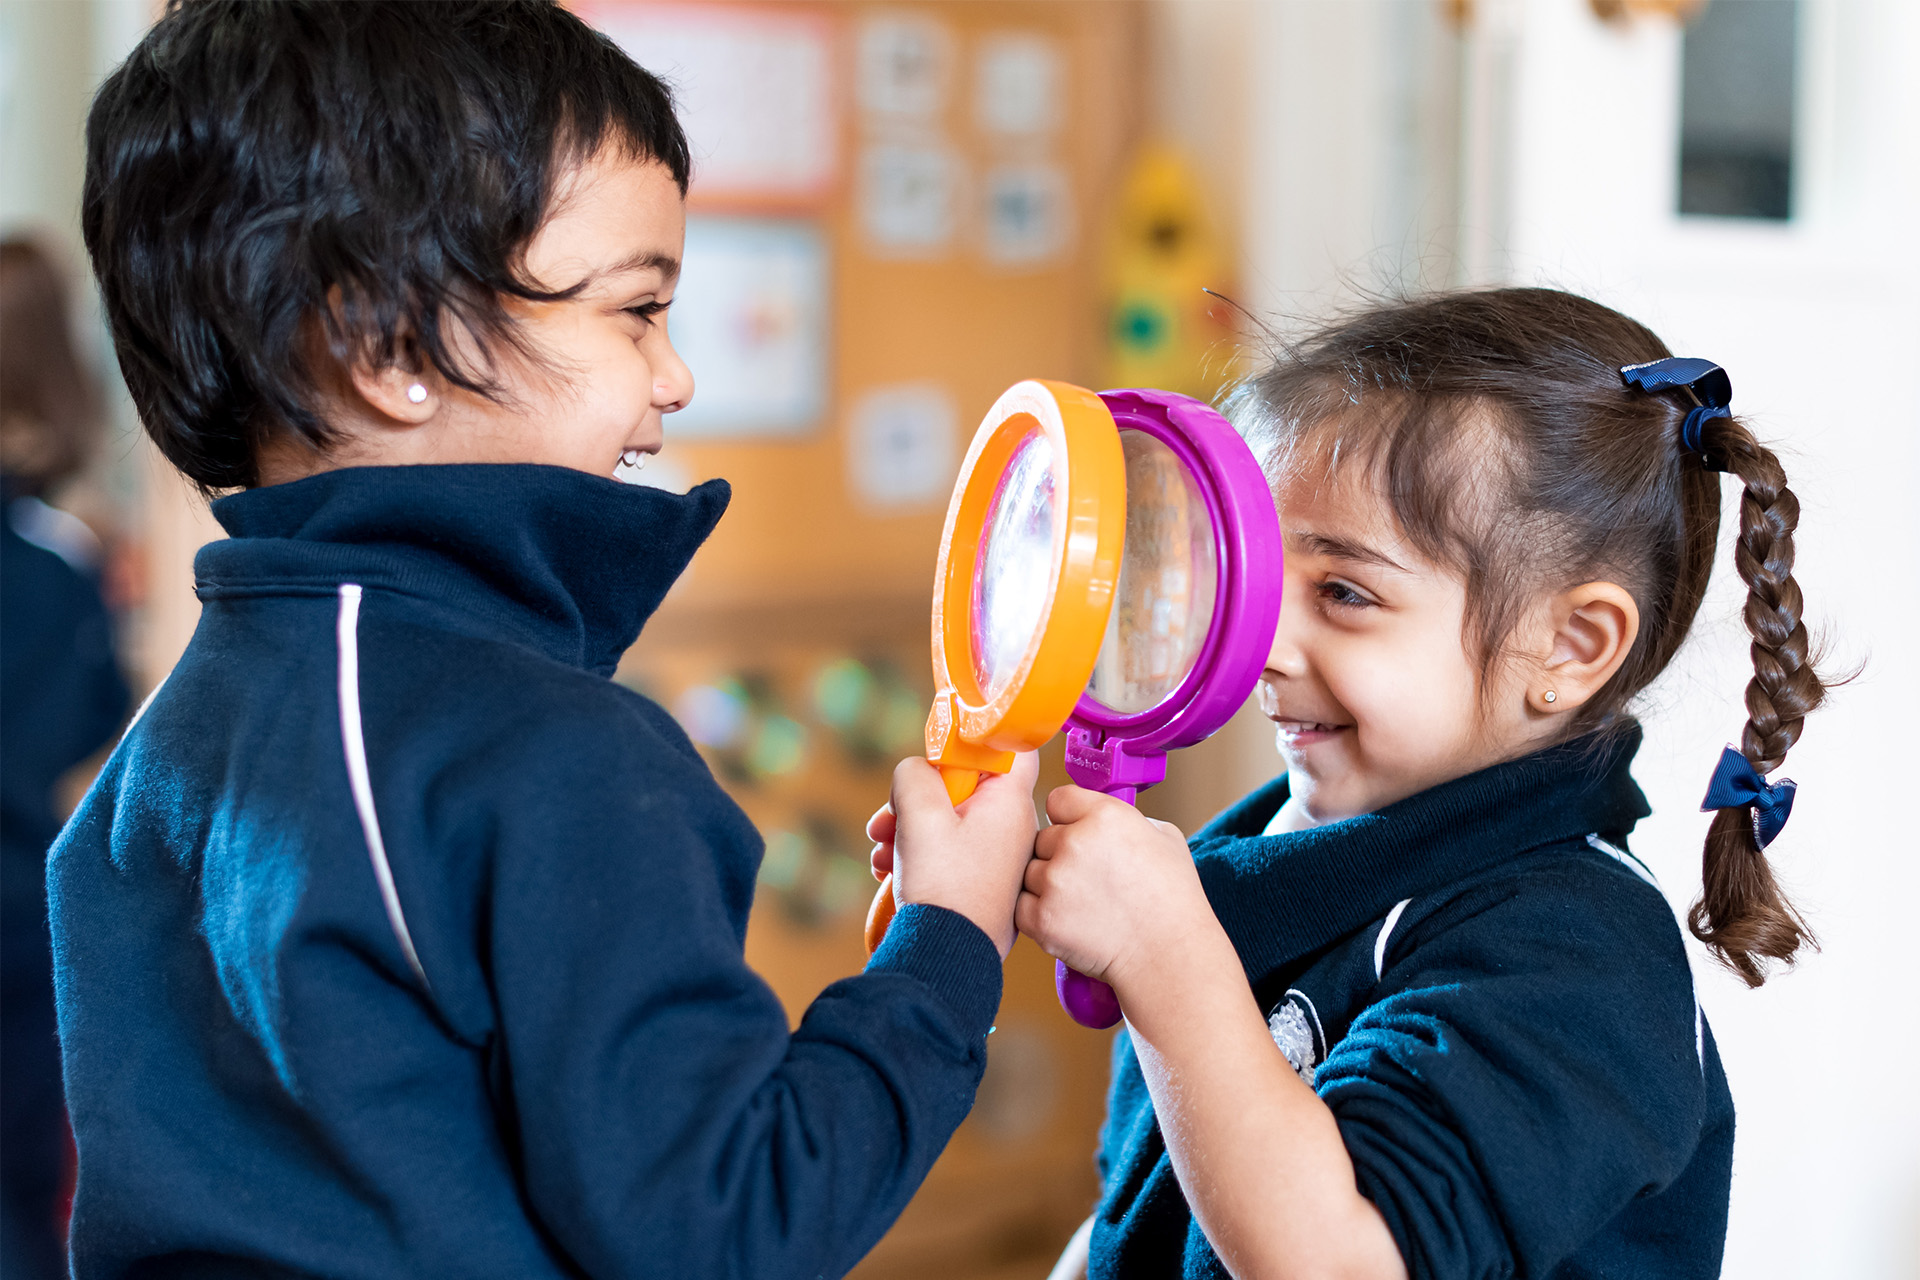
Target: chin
{"points": [[1322, 801]]}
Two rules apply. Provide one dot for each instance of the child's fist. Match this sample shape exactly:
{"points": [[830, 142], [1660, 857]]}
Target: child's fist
{"points": [[1108, 887], [968, 859]]}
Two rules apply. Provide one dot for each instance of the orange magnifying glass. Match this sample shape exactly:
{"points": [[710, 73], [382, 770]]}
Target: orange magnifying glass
{"points": [[1023, 585]]}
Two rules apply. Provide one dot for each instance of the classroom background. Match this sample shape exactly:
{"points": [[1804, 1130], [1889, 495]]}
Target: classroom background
{"points": [[900, 209]]}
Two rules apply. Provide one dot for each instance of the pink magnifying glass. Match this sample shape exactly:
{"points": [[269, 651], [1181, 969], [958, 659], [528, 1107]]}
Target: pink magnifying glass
{"points": [[1193, 613]]}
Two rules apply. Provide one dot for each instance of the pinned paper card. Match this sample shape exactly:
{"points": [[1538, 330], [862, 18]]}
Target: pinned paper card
{"points": [[909, 198], [904, 64], [1018, 84], [750, 319], [1029, 214], [902, 444], [754, 89]]}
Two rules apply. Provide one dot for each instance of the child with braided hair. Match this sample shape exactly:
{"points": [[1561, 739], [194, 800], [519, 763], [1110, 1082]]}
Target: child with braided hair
{"points": [[1501, 511]]}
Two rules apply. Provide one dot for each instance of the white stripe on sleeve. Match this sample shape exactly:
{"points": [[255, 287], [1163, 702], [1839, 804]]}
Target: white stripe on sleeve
{"points": [[353, 738], [1380, 943]]}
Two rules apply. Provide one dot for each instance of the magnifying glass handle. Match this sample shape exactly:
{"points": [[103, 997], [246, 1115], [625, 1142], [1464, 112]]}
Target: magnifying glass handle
{"points": [[880, 914], [960, 784], [1088, 1001]]}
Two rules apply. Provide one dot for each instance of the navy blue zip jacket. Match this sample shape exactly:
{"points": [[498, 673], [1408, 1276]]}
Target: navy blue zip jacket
{"points": [[397, 940], [1494, 1000]]}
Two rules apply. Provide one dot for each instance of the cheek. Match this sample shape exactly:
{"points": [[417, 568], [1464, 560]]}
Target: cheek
{"points": [[1410, 701], [614, 384]]}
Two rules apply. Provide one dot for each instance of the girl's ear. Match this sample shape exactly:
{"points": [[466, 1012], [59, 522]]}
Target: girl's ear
{"points": [[1594, 625], [403, 393], [392, 391]]}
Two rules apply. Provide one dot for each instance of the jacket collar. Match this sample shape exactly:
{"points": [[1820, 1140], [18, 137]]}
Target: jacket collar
{"points": [[1283, 897], [569, 564]]}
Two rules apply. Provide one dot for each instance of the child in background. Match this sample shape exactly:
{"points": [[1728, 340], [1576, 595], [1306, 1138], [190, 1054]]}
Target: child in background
{"points": [[61, 699], [395, 939], [1500, 512]]}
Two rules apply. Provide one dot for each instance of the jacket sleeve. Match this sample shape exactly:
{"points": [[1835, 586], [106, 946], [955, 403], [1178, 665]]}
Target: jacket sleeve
{"points": [[1527, 1068], [669, 1123]]}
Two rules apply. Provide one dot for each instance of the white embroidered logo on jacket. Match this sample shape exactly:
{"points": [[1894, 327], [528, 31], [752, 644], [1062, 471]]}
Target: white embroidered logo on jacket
{"points": [[1295, 1025]]}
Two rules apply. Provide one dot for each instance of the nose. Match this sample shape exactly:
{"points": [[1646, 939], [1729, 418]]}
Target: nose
{"points": [[672, 380], [1287, 656]]}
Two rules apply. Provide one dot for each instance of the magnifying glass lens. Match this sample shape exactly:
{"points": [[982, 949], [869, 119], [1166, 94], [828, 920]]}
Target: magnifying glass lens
{"points": [[1015, 566], [1163, 603]]}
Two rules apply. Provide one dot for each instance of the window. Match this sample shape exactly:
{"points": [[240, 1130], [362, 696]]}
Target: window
{"points": [[1736, 110]]}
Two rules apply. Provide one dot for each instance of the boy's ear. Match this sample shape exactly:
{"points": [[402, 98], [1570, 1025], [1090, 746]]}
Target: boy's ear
{"points": [[1594, 625]]}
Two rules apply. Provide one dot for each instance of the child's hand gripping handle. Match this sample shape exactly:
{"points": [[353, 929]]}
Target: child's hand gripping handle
{"points": [[1109, 768], [960, 763], [960, 784]]}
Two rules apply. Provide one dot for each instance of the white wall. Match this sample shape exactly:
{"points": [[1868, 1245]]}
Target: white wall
{"points": [[1376, 146], [1816, 323]]}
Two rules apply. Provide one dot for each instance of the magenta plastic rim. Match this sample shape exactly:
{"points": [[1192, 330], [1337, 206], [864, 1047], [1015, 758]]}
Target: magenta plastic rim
{"points": [[1246, 607], [1246, 604]]}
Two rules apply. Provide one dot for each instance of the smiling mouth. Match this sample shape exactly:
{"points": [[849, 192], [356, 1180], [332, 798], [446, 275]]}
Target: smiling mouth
{"points": [[1305, 728]]}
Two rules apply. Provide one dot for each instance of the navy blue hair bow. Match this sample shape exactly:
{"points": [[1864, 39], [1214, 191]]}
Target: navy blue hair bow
{"points": [[1708, 383], [1737, 784]]}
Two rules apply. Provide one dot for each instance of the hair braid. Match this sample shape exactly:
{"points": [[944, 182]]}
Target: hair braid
{"points": [[1742, 915]]}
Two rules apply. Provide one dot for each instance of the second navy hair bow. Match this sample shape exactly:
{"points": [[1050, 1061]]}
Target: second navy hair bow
{"points": [[1737, 784]]}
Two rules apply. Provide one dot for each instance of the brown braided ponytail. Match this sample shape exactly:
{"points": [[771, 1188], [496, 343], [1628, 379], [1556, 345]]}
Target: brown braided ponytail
{"points": [[1742, 915]]}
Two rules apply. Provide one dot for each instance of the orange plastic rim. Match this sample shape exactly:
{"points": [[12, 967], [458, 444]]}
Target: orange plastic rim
{"points": [[969, 734], [1089, 528]]}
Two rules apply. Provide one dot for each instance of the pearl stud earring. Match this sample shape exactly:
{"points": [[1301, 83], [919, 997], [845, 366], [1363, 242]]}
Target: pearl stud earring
{"points": [[1549, 697], [417, 393]]}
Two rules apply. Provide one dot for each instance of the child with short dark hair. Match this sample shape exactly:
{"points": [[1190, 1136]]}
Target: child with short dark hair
{"points": [[395, 938], [1414, 1009]]}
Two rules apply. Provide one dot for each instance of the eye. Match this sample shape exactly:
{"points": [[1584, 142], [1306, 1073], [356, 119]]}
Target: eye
{"points": [[646, 312], [1344, 595]]}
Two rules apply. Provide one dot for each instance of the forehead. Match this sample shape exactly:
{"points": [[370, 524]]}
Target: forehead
{"points": [[1322, 487], [1432, 474], [608, 209]]}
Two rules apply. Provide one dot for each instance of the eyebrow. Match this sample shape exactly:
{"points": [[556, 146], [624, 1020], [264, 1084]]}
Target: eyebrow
{"points": [[665, 263], [1320, 544]]}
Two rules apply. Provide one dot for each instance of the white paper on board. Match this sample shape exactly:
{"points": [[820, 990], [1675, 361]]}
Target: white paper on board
{"points": [[754, 90], [903, 444], [1018, 82], [1028, 214], [750, 318], [904, 63], [909, 197]]}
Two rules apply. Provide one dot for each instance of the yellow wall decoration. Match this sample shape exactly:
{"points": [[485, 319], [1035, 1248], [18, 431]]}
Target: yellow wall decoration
{"points": [[1162, 253]]}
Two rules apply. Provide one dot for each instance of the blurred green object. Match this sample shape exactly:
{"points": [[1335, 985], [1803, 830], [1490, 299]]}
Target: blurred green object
{"points": [[813, 874], [840, 692], [785, 860], [778, 746], [905, 730], [874, 711]]}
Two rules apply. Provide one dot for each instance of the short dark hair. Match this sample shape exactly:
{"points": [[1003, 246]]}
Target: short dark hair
{"points": [[251, 157]]}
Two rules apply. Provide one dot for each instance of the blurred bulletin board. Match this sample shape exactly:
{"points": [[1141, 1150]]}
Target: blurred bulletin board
{"points": [[954, 227], [950, 161]]}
